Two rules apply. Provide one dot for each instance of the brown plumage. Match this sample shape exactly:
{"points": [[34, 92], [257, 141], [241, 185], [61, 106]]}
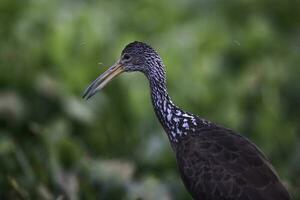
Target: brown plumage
{"points": [[216, 163]]}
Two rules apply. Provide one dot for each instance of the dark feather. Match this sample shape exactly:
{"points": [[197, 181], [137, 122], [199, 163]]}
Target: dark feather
{"points": [[214, 162], [217, 164]]}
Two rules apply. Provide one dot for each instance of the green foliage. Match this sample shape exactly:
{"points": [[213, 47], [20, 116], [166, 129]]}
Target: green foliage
{"points": [[233, 62]]}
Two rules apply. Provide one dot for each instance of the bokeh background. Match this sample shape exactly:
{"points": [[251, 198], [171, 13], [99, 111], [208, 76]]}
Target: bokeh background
{"points": [[233, 62]]}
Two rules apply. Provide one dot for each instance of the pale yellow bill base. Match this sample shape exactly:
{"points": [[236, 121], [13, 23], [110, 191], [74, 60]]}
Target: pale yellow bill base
{"points": [[102, 80]]}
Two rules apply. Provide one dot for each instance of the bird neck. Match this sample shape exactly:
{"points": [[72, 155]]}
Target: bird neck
{"points": [[176, 122]]}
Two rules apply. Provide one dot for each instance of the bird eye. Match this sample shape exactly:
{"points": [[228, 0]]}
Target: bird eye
{"points": [[126, 57]]}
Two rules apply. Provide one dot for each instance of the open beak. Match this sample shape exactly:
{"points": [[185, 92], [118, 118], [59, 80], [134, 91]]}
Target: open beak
{"points": [[102, 80]]}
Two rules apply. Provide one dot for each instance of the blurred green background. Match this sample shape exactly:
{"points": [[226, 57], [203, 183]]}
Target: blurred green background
{"points": [[233, 62]]}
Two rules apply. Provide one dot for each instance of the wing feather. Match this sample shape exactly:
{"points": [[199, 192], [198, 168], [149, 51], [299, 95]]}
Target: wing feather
{"points": [[219, 164]]}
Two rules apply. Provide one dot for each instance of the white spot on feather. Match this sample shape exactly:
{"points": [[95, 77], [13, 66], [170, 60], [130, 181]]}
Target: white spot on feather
{"points": [[194, 121], [178, 113], [164, 106], [176, 119], [186, 115], [185, 125], [169, 116], [179, 131], [173, 134]]}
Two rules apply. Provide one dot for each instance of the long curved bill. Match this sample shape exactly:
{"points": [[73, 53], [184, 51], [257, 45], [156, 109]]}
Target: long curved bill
{"points": [[102, 80]]}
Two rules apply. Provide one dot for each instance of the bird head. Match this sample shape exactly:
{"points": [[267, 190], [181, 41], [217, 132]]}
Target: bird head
{"points": [[136, 56]]}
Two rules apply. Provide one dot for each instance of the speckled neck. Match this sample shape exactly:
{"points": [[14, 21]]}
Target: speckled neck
{"points": [[176, 122]]}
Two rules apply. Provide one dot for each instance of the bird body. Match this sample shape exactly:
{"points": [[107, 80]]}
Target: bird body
{"points": [[214, 162]]}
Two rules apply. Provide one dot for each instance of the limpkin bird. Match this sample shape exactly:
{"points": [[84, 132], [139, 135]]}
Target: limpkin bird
{"points": [[215, 163]]}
